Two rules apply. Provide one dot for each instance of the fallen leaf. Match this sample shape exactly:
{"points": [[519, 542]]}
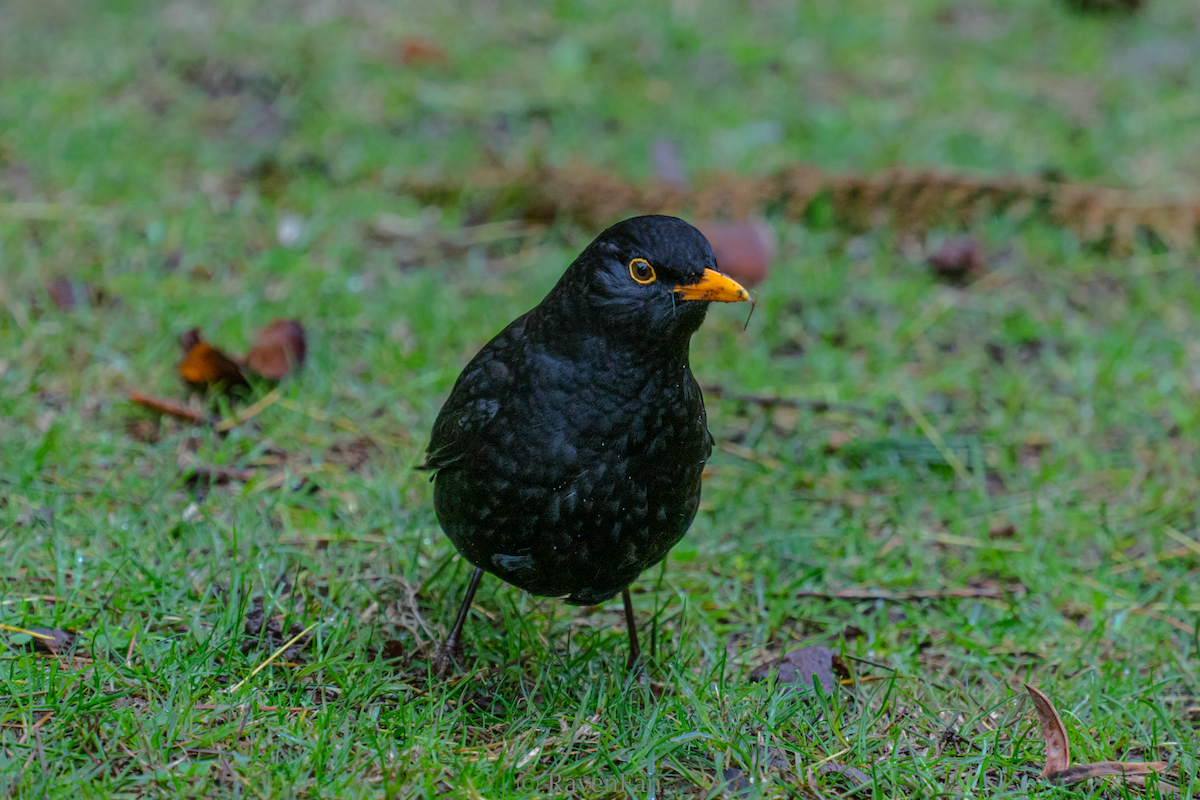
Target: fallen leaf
{"points": [[420, 51], [1058, 749], [50, 640], [744, 249], [959, 260], [270, 629], [838, 440], [1081, 772], [735, 783], [392, 650], [204, 365], [278, 349], [66, 294], [853, 775], [801, 666]]}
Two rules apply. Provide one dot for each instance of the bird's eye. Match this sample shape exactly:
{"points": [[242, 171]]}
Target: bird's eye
{"points": [[641, 271]]}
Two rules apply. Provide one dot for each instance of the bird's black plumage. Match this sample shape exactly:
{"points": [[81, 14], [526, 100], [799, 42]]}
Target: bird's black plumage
{"points": [[569, 453]]}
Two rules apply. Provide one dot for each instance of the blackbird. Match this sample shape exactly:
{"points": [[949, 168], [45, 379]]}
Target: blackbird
{"points": [[567, 458]]}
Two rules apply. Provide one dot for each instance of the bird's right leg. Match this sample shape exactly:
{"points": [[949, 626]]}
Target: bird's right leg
{"points": [[635, 652], [451, 651]]}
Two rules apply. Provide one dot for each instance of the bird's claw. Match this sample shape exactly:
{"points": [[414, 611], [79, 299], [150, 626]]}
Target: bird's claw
{"points": [[448, 656]]}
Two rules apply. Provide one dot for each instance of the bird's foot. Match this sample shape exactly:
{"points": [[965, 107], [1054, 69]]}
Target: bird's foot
{"points": [[448, 656], [635, 668]]}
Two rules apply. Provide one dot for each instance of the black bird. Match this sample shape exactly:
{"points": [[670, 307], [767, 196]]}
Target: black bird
{"points": [[568, 456]]}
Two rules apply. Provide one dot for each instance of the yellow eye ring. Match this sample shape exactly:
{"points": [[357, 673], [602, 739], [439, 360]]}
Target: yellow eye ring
{"points": [[641, 271]]}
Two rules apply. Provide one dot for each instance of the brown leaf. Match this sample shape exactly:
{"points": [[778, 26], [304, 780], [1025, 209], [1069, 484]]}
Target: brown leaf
{"points": [[204, 365], [735, 783], [744, 249], [800, 666], [1058, 749], [420, 51], [278, 349], [1081, 772], [838, 440], [958, 260], [270, 631], [392, 649], [853, 775], [66, 294], [169, 407], [50, 640]]}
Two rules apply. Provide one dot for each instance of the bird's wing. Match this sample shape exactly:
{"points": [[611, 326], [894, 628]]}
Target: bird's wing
{"points": [[457, 429], [474, 401]]}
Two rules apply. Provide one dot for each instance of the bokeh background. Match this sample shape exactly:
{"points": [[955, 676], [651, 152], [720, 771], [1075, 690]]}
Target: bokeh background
{"points": [[956, 439]]}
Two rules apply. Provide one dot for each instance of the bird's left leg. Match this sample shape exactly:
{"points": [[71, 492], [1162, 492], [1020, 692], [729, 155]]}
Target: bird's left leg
{"points": [[635, 652], [451, 651]]}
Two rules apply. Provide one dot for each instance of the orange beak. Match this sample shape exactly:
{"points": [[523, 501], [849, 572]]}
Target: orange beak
{"points": [[714, 286]]}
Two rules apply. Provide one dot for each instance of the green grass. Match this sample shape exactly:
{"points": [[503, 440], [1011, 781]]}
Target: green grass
{"points": [[1065, 383]]}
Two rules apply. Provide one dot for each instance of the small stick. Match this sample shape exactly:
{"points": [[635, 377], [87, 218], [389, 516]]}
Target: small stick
{"points": [[273, 656]]}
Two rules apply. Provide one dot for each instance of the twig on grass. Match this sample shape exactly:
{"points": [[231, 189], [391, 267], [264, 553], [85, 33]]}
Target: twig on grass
{"points": [[272, 657], [960, 593]]}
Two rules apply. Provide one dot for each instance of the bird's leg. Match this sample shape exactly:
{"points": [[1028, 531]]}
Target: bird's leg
{"points": [[451, 651], [635, 652]]}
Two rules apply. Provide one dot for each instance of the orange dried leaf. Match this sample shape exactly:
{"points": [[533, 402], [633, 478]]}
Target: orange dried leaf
{"points": [[205, 365], [419, 51], [1081, 772], [1058, 750], [278, 350]]}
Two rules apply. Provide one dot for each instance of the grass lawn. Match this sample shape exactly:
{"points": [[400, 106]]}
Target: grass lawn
{"points": [[1031, 437]]}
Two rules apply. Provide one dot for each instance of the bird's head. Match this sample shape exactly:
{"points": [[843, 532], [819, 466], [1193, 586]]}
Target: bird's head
{"points": [[647, 278]]}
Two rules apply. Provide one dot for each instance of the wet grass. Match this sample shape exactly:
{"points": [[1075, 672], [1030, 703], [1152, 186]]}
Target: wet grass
{"points": [[1031, 435]]}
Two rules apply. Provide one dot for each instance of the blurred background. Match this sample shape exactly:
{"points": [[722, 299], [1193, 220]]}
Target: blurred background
{"points": [[956, 440]]}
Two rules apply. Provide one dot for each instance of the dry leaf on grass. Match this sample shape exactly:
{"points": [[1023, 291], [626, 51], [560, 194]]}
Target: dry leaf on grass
{"points": [[420, 51], [1058, 767], [801, 666], [735, 782], [1058, 749], [278, 349], [745, 249], [854, 776], [1081, 772], [959, 260], [258, 624], [66, 294], [204, 365], [50, 640]]}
